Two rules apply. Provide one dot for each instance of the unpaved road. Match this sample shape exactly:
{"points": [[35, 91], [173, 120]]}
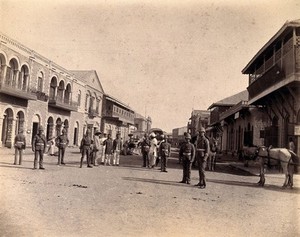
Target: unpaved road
{"points": [[132, 201]]}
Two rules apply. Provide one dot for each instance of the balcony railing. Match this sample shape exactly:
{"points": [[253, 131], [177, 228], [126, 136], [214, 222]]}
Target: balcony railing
{"points": [[59, 103], [16, 92], [93, 113], [267, 80]]}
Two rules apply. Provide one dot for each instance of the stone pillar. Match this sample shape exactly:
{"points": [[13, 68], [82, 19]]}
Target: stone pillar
{"points": [[1, 125]]}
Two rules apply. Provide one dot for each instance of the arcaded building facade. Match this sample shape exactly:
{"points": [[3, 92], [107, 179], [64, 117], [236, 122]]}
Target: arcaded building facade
{"points": [[34, 91], [274, 85]]}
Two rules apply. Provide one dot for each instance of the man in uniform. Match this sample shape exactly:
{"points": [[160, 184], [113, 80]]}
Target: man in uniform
{"points": [[164, 151], [202, 152], [117, 147], [145, 147], [39, 144], [20, 145], [62, 142], [187, 154], [85, 148]]}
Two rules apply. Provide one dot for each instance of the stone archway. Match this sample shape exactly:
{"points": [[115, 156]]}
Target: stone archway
{"points": [[66, 125], [20, 121], [7, 126], [50, 126], [58, 127]]}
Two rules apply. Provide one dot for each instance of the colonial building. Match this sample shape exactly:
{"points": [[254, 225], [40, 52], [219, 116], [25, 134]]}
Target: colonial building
{"points": [[242, 125], [142, 124], [199, 118], [274, 82], [178, 135], [35, 91], [215, 126], [117, 117]]}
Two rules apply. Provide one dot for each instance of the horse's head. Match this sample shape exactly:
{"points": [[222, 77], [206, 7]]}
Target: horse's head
{"points": [[262, 151]]}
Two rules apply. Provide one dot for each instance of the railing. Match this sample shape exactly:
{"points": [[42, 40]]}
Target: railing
{"points": [[59, 103], [283, 58], [269, 79], [93, 113], [27, 94]]}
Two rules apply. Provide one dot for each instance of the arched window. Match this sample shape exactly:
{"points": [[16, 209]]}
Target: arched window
{"points": [[79, 98], [40, 82], [11, 73], [60, 91], [24, 78], [53, 86], [67, 94]]}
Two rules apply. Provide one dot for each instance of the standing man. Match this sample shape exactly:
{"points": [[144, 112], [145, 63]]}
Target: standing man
{"points": [[62, 142], [187, 154], [20, 145], [153, 150], [102, 147], [164, 151], [39, 144], [117, 147], [108, 149], [202, 152], [96, 147], [85, 148], [145, 147]]}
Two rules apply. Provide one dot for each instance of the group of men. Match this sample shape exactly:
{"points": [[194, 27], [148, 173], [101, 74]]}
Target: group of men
{"points": [[102, 147], [108, 151], [152, 150], [189, 151]]}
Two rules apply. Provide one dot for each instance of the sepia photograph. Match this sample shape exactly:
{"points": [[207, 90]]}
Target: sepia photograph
{"points": [[149, 118]]}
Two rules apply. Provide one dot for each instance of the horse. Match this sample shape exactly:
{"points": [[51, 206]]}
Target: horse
{"points": [[248, 153], [213, 143], [287, 158]]}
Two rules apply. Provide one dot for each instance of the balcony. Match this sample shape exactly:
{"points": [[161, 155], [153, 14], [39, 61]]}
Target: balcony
{"points": [[93, 113], [42, 96], [58, 103], [24, 94], [273, 76]]}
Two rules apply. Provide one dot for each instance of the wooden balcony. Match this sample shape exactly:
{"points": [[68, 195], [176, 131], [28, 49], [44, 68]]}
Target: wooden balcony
{"points": [[57, 103], [23, 94], [266, 81]]}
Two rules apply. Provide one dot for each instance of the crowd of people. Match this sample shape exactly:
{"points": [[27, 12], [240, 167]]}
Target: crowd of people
{"points": [[102, 149]]}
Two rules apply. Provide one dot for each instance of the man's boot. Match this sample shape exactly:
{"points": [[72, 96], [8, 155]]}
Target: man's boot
{"points": [[81, 162]]}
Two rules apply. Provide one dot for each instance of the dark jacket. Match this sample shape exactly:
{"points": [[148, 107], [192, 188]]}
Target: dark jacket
{"points": [[164, 149], [39, 143], [187, 151], [20, 141]]}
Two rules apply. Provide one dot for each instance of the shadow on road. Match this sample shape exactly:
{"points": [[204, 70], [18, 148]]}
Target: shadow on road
{"points": [[255, 185], [10, 165], [158, 181]]}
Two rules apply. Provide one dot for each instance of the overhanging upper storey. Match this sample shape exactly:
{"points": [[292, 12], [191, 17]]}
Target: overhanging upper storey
{"points": [[276, 64]]}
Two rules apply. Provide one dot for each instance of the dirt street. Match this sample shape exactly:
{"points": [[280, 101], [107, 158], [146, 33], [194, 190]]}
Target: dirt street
{"points": [[132, 201]]}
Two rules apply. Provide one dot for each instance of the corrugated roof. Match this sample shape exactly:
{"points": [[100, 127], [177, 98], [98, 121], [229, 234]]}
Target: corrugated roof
{"points": [[231, 100]]}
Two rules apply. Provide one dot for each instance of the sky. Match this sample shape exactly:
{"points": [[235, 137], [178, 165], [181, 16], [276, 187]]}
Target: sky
{"points": [[162, 58]]}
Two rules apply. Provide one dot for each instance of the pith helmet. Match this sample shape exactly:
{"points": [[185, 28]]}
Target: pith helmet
{"points": [[152, 134], [202, 129], [188, 136], [41, 128]]}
